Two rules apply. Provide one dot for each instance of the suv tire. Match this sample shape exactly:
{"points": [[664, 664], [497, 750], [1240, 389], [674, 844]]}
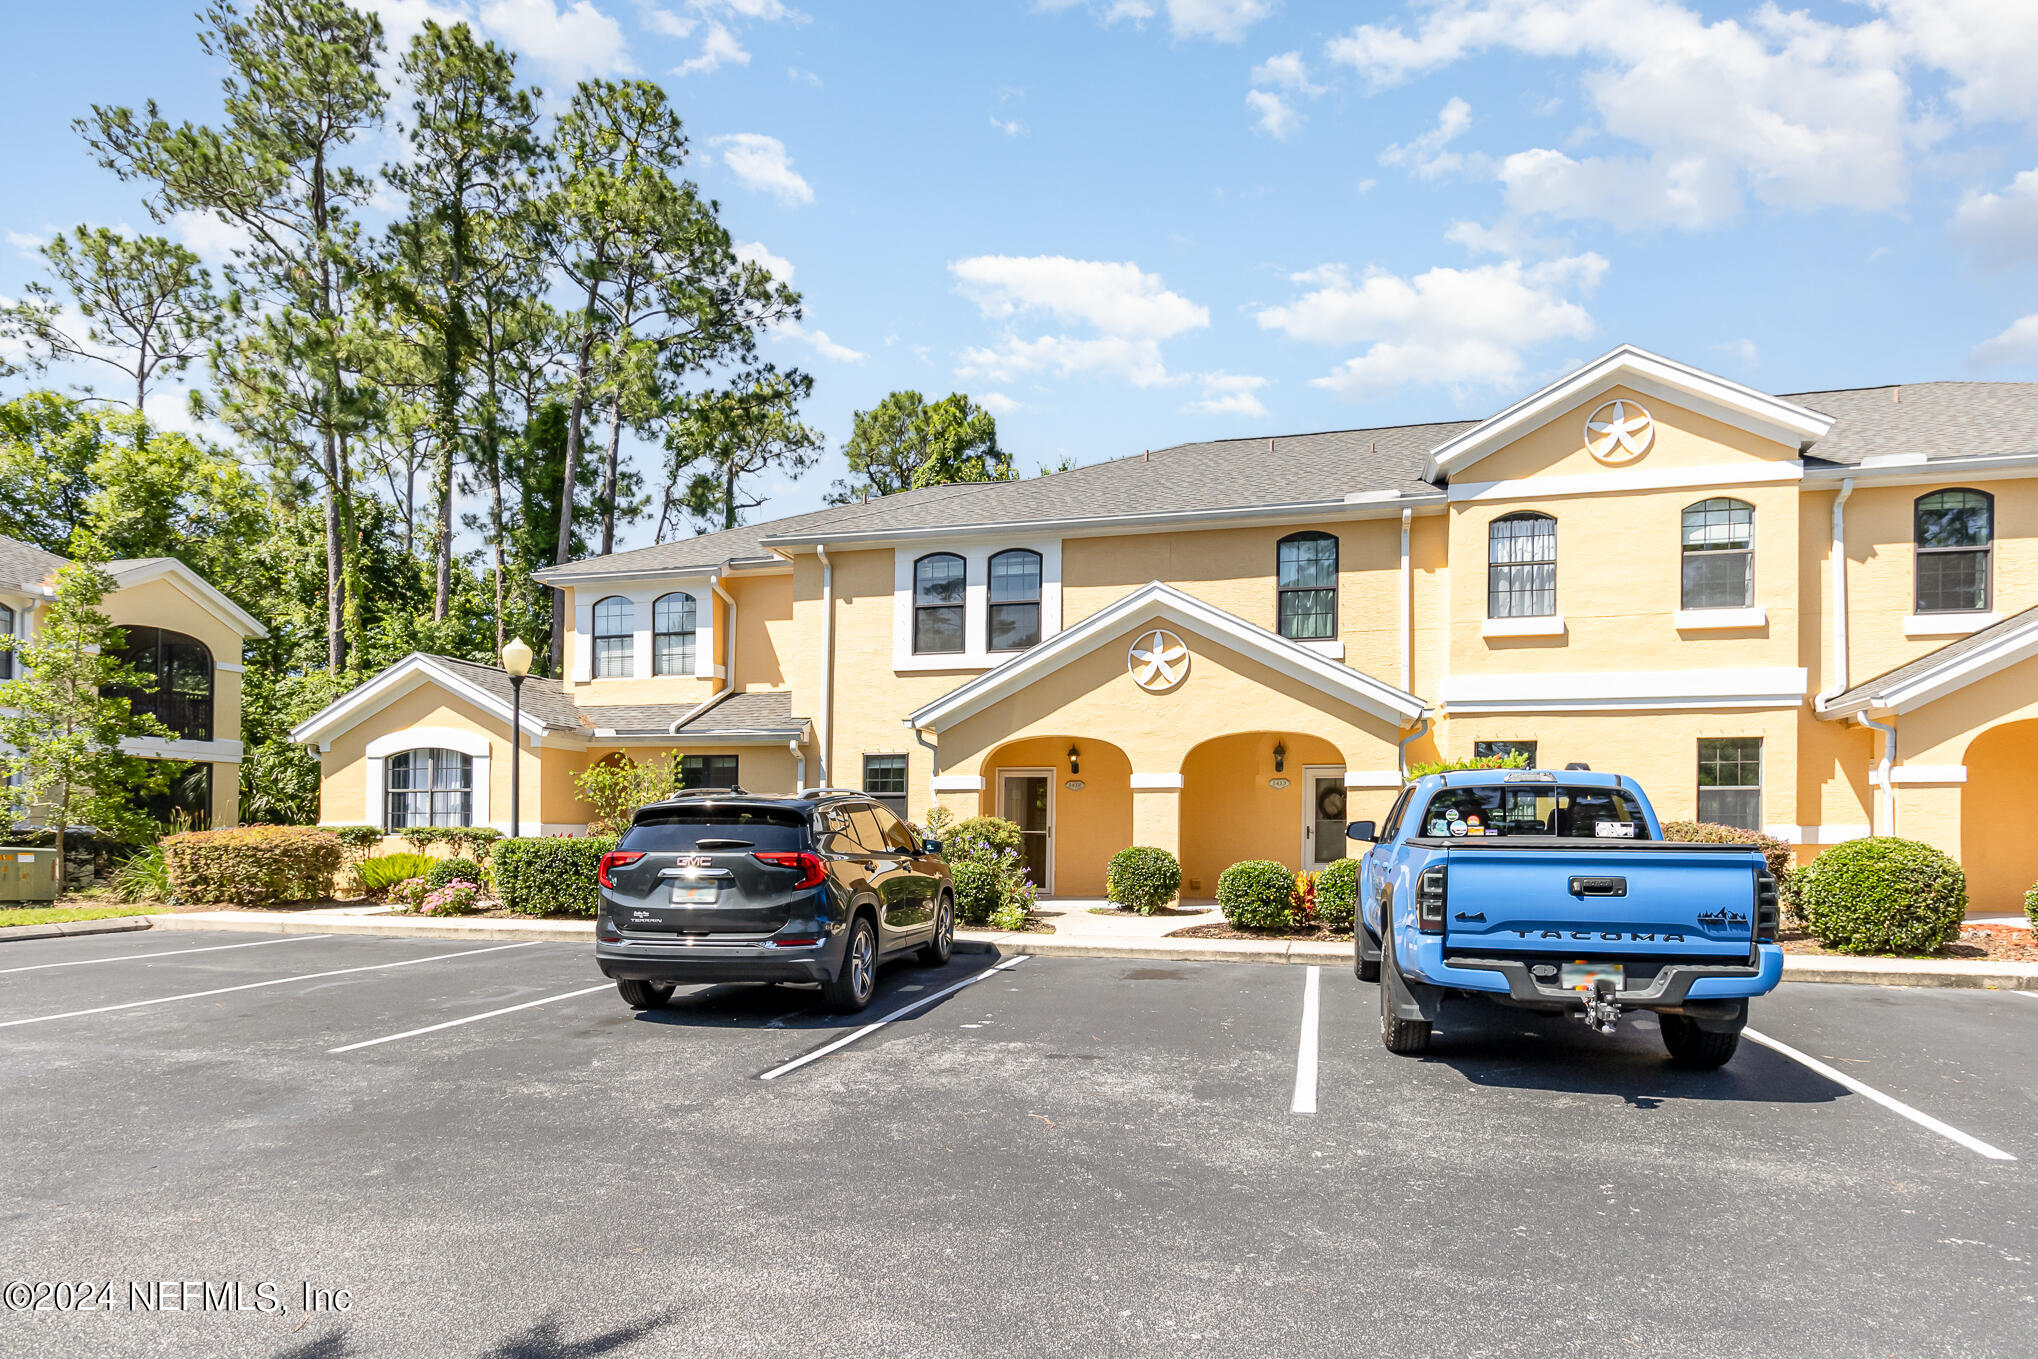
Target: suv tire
{"points": [[644, 995], [853, 986], [937, 951], [1692, 1046]]}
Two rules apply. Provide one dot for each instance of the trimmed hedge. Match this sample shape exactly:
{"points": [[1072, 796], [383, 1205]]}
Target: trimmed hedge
{"points": [[981, 890], [1337, 894], [1143, 879], [549, 876], [252, 865], [383, 871], [444, 871], [1774, 851], [1884, 895], [358, 837], [1257, 894]]}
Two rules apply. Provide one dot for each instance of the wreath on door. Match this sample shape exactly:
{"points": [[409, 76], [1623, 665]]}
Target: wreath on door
{"points": [[1330, 804]]}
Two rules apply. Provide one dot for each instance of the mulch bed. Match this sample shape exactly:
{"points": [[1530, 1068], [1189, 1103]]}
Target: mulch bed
{"points": [[1223, 931], [1978, 943]]}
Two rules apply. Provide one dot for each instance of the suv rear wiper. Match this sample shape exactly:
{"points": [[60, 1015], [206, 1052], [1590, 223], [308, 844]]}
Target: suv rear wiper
{"points": [[710, 842]]}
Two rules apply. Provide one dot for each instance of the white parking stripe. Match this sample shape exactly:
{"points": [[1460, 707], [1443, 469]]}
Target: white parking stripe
{"points": [[474, 1019], [818, 1053], [1890, 1102], [252, 986], [1305, 1050], [168, 953]]}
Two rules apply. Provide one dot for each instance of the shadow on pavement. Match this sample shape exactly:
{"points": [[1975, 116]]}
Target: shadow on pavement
{"points": [[329, 1345], [544, 1339], [793, 1006]]}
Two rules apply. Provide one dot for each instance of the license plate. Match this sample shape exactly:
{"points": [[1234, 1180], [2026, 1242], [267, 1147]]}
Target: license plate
{"points": [[693, 896], [1581, 976]]}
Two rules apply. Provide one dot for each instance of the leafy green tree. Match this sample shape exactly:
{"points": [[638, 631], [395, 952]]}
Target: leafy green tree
{"points": [[722, 437], [46, 457], [905, 443], [147, 306], [61, 723]]}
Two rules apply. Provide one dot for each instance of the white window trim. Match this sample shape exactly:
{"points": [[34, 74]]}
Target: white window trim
{"points": [[643, 599], [1537, 625], [1698, 620], [472, 744], [976, 555], [1949, 624]]}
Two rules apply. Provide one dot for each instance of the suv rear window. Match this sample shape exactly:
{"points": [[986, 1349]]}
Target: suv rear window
{"points": [[659, 829], [1535, 809]]}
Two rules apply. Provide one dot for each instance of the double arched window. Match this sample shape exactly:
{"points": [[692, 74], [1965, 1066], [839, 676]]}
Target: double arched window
{"points": [[1521, 566], [1955, 534], [938, 603], [1306, 584], [1014, 604], [615, 624], [1718, 550], [181, 669], [430, 788], [672, 634]]}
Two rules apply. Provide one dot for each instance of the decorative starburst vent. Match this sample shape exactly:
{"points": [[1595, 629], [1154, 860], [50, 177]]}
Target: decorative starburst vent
{"points": [[1158, 660], [1619, 432]]}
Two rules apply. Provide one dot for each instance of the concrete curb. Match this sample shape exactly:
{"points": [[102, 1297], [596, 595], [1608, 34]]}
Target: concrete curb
{"points": [[63, 929], [400, 927]]}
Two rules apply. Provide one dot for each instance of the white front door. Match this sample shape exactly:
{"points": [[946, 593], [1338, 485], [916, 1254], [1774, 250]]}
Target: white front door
{"points": [[1026, 799], [1323, 815]]}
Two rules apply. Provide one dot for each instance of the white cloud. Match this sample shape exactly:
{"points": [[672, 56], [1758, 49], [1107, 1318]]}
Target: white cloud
{"points": [[800, 76], [1130, 310], [572, 43], [1743, 351], [819, 342], [778, 266], [997, 403], [26, 243], [1015, 127], [761, 163], [1228, 394], [719, 48], [1444, 327], [1217, 20], [1273, 115], [2018, 344], [665, 22], [1426, 155], [211, 238], [1288, 72], [1998, 228]]}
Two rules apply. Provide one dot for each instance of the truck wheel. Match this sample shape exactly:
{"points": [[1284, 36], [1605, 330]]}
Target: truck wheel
{"points": [[1408, 1037], [644, 995], [1701, 1049], [1365, 954]]}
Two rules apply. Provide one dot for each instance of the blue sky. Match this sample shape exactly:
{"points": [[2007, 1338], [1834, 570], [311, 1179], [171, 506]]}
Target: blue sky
{"points": [[1130, 223]]}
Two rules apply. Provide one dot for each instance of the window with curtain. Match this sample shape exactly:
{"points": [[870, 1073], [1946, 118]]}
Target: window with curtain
{"points": [[615, 622], [1306, 583], [672, 635], [1730, 781], [429, 788], [937, 604], [1955, 534], [1718, 545], [1014, 592], [181, 668], [707, 771], [6, 630], [1521, 566]]}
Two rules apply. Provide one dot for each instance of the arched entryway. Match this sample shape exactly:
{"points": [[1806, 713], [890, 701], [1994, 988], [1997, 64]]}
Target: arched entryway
{"points": [[1260, 795], [1071, 797], [1997, 803]]}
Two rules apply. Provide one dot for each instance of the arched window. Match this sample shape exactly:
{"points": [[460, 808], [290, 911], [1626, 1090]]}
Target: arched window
{"points": [[1521, 566], [1014, 600], [1719, 554], [1955, 531], [430, 788], [672, 632], [937, 603], [6, 630], [615, 620], [181, 669], [1306, 585]]}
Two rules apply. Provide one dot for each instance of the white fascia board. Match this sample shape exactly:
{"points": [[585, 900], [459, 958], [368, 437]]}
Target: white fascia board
{"points": [[1705, 393], [1629, 690], [1628, 482], [200, 590], [1156, 599], [2016, 645], [407, 674], [1926, 471]]}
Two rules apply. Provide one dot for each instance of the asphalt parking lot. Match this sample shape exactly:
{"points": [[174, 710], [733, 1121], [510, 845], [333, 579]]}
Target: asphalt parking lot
{"points": [[1060, 1157]]}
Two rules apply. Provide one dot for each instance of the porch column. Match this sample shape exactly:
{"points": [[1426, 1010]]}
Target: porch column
{"points": [[1157, 811]]}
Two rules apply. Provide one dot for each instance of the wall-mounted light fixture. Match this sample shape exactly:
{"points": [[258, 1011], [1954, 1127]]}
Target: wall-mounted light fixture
{"points": [[1280, 757], [1074, 768]]}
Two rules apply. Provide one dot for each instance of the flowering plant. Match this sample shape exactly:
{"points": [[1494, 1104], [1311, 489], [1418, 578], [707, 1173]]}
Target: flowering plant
{"points": [[457, 897], [405, 896]]}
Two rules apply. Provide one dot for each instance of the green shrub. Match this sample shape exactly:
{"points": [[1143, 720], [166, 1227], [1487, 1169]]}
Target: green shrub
{"points": [[980, 890], [252, 865], [549, 876], [384, 871], [1257, 894], [143, 877], [358, 837], [984, 838], [444, 871], [2031, 904], [1011, 916], [1517, 759], [471, 842], [619, 785], [408, 895], [1884, 895], [421, 838], [1143, 879], [1337, 894], [1774, 852]]}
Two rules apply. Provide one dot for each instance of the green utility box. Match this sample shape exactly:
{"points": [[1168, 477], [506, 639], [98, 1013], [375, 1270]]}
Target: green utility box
{"points": [[27, 875]]}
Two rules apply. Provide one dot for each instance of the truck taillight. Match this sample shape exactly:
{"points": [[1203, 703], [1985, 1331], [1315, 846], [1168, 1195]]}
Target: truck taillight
{"points": [[809, 865], [1429, 900], [614, 859], [1766, 914]]}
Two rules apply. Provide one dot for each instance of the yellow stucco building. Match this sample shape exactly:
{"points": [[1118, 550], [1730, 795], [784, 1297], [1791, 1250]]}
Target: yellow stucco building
{"points": [[1814, 614], [182, 632]]}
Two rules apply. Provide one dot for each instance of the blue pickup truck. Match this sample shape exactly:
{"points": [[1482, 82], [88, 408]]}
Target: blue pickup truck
{"points": [[1556, 891]]}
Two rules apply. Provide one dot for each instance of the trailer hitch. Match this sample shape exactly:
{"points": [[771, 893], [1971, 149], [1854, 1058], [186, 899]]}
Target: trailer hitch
{"points": [[1601, 1011]]}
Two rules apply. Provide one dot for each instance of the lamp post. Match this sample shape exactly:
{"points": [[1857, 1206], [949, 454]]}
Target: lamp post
{"points": [[516, 660]]}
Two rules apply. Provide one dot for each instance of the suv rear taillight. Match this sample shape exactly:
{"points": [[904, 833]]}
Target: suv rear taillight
{"points": [[809, 866], [615, 858], [1765, 907], [1429, 900]]}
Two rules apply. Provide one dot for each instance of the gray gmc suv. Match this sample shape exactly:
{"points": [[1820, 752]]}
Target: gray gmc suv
{"points": [[719, 885]]}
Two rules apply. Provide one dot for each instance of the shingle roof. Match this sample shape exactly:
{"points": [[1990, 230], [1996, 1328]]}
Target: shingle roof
{"points": [[1932, 419], [544, 699], [763, 712], [25, 563], [1864, 694]]}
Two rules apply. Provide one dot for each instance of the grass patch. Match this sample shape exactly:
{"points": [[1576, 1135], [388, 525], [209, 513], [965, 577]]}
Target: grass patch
{"points": [[63, 915]]}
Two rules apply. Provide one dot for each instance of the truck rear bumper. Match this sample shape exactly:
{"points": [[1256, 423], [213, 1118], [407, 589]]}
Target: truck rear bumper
{"points": [[1672, 985]]}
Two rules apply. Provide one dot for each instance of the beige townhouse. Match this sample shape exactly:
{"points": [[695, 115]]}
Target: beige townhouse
{"points": [[1810, 614]]}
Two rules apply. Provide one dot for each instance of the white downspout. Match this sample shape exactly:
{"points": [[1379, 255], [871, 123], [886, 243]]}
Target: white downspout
{"points": [[1407, 607], [1885, 791], [1837, 685], [799, 775], [824, 720]]}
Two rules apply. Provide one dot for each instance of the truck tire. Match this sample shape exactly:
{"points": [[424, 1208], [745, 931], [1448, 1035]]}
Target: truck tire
{"points": [[1365, 953], [1699, 1049], [1407, 1037]]}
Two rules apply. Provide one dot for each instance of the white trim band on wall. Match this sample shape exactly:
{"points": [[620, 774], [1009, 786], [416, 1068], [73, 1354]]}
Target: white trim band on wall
{"points": [[1928, 773], [958, 783], [1373, 778], [1836, 833], [1157, 783]]}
